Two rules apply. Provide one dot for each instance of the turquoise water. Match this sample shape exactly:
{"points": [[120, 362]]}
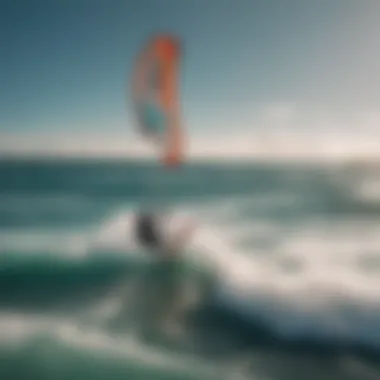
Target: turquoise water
{"points": [[285, 265]]}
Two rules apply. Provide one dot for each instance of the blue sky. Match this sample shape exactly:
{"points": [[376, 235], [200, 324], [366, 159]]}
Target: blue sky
{"points": [[64, 63]]}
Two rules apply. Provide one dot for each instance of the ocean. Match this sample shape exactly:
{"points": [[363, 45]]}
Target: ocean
{"points": [[284, 266]]}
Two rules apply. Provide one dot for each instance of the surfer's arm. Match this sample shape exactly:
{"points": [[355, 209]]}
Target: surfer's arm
{"points": [[182, 236]]}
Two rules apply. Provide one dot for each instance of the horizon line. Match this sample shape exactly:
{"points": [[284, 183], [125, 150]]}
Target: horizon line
{"points": [[232, 147]]}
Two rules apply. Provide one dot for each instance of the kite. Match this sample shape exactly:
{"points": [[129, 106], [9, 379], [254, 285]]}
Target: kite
{"points": [[155, 94]]}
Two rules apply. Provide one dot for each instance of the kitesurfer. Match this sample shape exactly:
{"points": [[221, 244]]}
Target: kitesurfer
{"points": [[165, 279]]}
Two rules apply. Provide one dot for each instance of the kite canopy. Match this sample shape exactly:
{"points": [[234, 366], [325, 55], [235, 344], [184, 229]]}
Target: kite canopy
{"points": [[156, 99]]}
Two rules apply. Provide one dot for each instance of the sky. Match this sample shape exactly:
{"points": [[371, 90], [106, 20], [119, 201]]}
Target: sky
{"points": [[250, 67]]}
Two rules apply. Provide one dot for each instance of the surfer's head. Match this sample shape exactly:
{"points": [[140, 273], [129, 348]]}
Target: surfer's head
{"points": [[147, 230]]}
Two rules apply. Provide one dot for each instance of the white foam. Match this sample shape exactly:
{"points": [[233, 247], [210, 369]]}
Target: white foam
{"points": [[113, 236], [116, 233], [318, 278], [313, 282], [368, 191], [360, 182]]}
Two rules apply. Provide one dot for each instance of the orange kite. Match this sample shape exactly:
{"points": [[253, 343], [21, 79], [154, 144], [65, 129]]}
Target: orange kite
{"points": [[156, 96]]}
